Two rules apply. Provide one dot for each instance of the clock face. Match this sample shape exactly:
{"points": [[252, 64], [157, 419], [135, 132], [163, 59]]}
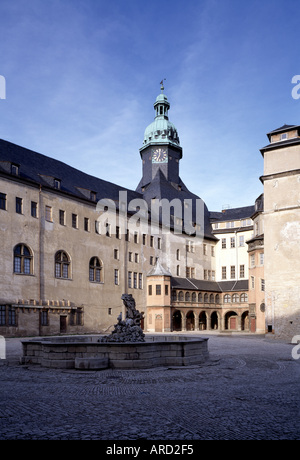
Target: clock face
{"points": [[159, 155]]}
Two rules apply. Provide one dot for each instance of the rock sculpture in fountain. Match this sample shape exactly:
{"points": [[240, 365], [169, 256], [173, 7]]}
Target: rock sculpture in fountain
{"points": [[128, 330]]}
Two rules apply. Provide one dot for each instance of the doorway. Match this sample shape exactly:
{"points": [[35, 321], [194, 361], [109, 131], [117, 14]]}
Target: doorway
{"points": [[62, 324]]}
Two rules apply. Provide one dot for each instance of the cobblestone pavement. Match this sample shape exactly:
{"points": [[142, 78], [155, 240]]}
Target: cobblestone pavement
{"points": [[247, 390]]}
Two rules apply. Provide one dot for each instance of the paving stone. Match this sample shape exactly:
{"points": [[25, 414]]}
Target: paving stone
{"points": [[248, 389]]}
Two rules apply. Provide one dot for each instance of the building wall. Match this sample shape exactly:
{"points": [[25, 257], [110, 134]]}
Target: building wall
{"points": [[282, 240], [235, 253]]}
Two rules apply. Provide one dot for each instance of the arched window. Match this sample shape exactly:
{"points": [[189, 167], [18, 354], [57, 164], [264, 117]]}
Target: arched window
{"points": [[23, 260], [217, 298], [62, 265], [194, 297], [95, 272], [235, 298], [205, 298], [180, 296], [200, 297], [211, 298], [174, 295], [227, 298], [187, 296], [244, 298]]}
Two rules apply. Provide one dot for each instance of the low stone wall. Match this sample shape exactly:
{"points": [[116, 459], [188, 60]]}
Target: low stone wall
{"points": [[87, 353]]}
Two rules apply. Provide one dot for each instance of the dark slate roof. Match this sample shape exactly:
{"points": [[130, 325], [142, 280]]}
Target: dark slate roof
{"points": [[160, 188], [282, 129], [209, 286], [232, 214], [37, 168], [278, 145]]}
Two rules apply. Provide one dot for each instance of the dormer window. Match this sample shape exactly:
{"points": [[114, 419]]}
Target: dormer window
{"points": [[57, 184], [283, 136], [15, 169], [93, 196]]}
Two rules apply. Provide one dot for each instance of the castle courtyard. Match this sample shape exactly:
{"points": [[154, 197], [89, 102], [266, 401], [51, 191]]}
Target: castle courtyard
{"points": [[247, 390]]}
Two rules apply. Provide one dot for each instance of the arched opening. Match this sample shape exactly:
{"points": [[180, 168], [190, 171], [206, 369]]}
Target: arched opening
{"points": [[202, 321], [214, 321], [231, 322], [245, 321], [177, 321], [190, 321]]}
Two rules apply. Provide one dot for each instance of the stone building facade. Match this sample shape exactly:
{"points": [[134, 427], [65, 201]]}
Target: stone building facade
{"points": [[72, 244]]}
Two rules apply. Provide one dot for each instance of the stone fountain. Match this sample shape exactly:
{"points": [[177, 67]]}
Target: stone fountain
{"points": [[127, 347]]}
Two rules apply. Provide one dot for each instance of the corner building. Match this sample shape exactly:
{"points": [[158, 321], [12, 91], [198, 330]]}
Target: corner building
{"points": [[61, 272]]}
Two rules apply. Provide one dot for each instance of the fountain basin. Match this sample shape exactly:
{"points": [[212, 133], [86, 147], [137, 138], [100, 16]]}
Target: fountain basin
{"points": [[85, 352]]}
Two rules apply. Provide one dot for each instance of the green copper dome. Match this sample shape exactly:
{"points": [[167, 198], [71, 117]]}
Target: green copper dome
{"points": [[161, 130]]}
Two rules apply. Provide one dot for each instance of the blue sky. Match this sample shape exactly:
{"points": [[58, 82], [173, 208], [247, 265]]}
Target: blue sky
{"points": [[82, 77]]}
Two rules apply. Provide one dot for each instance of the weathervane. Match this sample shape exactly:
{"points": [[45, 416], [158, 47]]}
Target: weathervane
{"points": [[162, 84]]}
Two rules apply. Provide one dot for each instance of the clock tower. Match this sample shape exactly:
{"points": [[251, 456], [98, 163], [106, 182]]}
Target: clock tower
{"points": [[161, 149]]}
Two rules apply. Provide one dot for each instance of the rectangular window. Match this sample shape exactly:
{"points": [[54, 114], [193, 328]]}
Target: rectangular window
{"points": [[213, 275], [33, 209], [116, 254], [74, 220], [144, 239], [116, 275], [12, 320], [48, 213], [151, 241], [262, 284], [136, 258], [158, 243], [57, 184], [261, 258], [86, 224], [252, 282], [130, 279], [252, 260], [224, 275], [44, 318], [135, 237], [166, 289], [223, 243], [241, 240], [3, 201], [151, 260], [19, 205], [62, 217], [204, 249], [232, 242], [150, 289], [212, 251], [242, 271], [118, 233], [2, 315], [130, 256], [205, 274], [232, 272], [140, 280], [158, 289], [135, 280]]}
